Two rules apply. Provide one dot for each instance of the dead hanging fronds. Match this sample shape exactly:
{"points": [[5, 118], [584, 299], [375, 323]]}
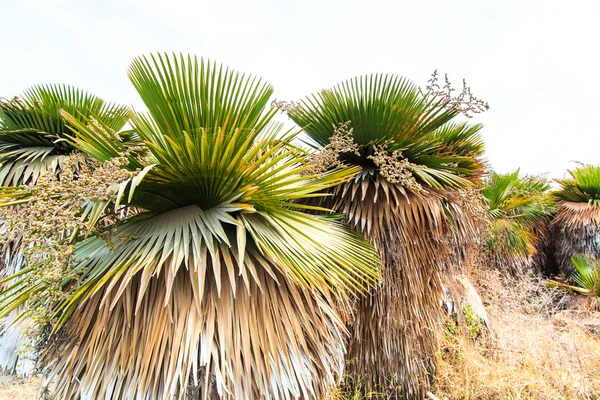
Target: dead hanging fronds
{"points": [[465, 102], [341, 142], [221, 345], [394, 335]]}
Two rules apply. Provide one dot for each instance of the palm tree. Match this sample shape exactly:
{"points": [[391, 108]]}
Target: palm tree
{"points": [[413, 159], [33, 142], [33, 131], [220, 285], [518, 211], [577, 222]]}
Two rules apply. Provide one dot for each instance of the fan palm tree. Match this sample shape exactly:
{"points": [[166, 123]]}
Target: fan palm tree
{"points": [[33, 131], [33, 142], [413, 159], [220, 285], [577, 222], [518, 211]]}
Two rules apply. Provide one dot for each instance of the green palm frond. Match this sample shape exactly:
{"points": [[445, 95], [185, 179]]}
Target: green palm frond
{"points": [[220, 282], [184, 93], [389, 110], [582, 187], [33, 131], [587, 274]]}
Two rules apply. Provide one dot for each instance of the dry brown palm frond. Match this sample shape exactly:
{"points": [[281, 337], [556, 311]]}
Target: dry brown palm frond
{"points": [[13, 359], [242, 339], [576, 230], [394, 336]]}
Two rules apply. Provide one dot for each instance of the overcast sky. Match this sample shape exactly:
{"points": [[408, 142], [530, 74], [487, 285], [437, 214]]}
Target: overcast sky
{"points": [[535, 62]]}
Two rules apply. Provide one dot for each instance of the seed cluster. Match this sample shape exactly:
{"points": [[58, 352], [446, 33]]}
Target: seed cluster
{"points": [[465, 102], [47, 223], [395, 168], [341, 142]]}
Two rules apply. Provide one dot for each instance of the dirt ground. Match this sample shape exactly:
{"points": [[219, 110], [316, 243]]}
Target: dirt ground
{"points": [[13, 388]]}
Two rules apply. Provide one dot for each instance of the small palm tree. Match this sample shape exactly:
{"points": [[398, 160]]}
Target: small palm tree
{"points": [[33, 131], [413, 160], [33, 142], [586, 277], [518, 211], [220, 285], [577, 222]]}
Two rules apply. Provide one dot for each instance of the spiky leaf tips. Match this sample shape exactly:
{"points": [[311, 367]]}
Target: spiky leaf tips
{"points": [[413, 160], [218, 283], [577, 222], [519, 212]]}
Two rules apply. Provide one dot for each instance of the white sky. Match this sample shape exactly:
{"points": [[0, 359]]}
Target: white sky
{"points": [[535, 62]]}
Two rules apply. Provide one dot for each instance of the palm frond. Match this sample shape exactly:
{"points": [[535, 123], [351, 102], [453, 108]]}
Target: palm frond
{"points": [[389, 110], [587, 274], [582, 187]]}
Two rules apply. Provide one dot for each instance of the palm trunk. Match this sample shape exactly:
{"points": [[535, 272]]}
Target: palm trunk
{"points": [[576, 230], [394, 338]]}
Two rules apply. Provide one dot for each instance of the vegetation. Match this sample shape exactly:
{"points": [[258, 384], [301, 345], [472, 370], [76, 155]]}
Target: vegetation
{"points": [[211, 266], [533, 350], [33, 147], [199, 252], [587, 275], [519, 211], [577, 223], [33, 132], [413, 159]]}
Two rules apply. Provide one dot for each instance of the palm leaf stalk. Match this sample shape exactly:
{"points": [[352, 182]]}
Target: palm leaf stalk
{"points": [[413, 160], [576, 228], [222, 285], [519, 211], [33, 142]]}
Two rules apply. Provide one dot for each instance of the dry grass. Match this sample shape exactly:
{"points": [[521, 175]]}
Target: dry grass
{"points": [[14, 388], [537, 352]]}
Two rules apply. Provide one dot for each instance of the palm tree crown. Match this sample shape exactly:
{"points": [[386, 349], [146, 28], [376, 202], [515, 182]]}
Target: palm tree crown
{"points": [[518, 208], [577, 222], [33, 131]]}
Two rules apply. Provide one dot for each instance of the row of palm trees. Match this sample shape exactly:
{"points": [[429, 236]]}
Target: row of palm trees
{"points": [[245, 265], [536, 228]]}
